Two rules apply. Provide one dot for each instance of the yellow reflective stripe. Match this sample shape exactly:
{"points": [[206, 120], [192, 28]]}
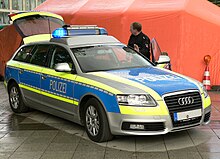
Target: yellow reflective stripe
{"points": [[5, 83], [206, 101], [161, 65], [37, 38], [75, 102], [26, 66], [40, 69], [49, 94], [80, 79], [97, 84], [57, 97], [155, 95], [21, 15], [63, 75], [29, 88], [131, 110], [30, 67], [13, 63]]}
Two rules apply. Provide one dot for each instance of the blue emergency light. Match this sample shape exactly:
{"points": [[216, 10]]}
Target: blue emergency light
{"points": [[68, 31], [59, 33]]}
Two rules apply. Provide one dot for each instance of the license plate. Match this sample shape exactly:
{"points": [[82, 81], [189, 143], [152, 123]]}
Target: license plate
{"points": [[187, 115]]}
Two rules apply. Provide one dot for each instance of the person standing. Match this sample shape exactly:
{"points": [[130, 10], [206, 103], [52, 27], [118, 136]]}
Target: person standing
{"points": [[138, 40]]}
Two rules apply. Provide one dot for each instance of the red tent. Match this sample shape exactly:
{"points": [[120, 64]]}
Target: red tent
{"points": [[186, 29], [10, 40]]}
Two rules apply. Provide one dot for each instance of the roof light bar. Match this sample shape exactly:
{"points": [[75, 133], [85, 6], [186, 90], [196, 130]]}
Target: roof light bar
{"points": [[59, 33], [78, 30]]}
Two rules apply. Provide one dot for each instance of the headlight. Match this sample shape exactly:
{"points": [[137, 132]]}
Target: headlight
{"points": [[137, 100], [204, 90]]}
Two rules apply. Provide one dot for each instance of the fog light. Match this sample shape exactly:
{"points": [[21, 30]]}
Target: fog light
{"points": [[137, 126]]}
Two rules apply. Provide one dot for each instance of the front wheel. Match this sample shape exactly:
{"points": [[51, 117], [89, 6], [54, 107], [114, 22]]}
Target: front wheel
{"points": [[15, 99], [96, 122]]}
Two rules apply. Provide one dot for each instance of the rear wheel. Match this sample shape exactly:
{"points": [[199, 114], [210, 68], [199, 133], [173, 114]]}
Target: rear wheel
{"points": [[96, 122], [15, 99]]}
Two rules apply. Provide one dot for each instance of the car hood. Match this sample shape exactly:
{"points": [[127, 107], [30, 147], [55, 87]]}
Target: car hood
{"points": [[159, 80]]}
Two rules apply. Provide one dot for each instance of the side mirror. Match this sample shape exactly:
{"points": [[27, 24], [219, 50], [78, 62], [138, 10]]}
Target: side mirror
{"points": [[62, 67], [163, 59]]}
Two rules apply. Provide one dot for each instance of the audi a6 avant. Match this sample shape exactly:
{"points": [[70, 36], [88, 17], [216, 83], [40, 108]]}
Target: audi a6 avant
{"points": [[86, 76]]}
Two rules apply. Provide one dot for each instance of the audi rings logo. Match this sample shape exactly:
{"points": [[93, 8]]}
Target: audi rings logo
{"points": [[185, 101]]}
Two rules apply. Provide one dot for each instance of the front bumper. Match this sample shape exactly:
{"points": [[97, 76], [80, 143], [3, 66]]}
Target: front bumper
{"points": [[116, 121]]}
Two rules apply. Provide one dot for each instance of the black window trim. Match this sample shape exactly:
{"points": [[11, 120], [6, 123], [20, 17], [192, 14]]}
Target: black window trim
{"points": [[53, 48], [49, 56]]}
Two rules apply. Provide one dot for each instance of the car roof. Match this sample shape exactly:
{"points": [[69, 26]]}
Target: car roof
{"points": [[87, 40], [81, 41]]}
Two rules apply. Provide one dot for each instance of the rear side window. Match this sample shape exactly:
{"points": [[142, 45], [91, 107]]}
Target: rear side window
{"points": [[39, 56], [23, 53]]}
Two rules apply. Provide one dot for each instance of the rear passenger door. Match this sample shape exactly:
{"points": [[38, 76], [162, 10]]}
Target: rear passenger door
{"points": [[24, 73], [57, 87], [30, 73]]}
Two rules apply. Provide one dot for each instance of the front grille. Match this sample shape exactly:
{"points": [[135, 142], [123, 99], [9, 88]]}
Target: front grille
{"points": [[207, 116], [151, 126], [175, 107]]}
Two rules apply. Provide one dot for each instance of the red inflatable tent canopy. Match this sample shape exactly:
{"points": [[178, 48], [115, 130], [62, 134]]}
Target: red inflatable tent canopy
{"points": [[187, 29], [10, 40]]}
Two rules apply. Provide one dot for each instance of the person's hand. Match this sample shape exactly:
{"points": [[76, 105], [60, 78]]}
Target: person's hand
{"points": [[136, 48]]}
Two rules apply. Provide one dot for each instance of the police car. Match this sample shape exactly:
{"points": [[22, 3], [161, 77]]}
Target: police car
{"points": [[88, 77]]}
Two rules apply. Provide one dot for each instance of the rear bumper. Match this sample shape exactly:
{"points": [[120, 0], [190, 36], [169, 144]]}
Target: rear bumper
{"points": [[116, 121]]}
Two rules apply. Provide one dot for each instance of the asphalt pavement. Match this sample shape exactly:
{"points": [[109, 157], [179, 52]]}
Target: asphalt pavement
{"points": [[37, 135]]}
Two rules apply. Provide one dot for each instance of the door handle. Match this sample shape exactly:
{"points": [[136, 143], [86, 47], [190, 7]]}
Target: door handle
{"points": [[43, 77], [21, 71]]}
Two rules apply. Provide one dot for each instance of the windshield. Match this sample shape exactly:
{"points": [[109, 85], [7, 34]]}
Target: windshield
{"points": [[37, 24], [104, 58]]}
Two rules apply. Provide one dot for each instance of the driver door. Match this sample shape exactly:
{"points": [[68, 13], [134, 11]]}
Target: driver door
{"points": [[58, 87], [156, 54]]}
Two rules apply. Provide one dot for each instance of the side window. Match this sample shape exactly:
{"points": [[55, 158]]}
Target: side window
{"points": [[40, 55], [61, 55], [23, 53]]}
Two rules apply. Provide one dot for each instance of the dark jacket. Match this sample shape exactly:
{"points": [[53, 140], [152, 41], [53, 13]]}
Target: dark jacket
{"points": [[142, 41]]}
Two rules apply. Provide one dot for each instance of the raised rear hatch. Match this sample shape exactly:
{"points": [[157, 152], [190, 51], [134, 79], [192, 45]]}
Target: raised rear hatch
{"points": [[36, 26]]}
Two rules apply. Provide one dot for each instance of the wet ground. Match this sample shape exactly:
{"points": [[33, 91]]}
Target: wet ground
{"points": [[37, 135]]}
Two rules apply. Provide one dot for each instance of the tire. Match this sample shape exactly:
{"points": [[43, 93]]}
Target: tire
{"points": [[96, 122], [15, 99]]}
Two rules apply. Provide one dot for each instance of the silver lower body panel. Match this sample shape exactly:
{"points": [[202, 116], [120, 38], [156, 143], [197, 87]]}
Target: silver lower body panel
{"points": [[116, 120]]}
